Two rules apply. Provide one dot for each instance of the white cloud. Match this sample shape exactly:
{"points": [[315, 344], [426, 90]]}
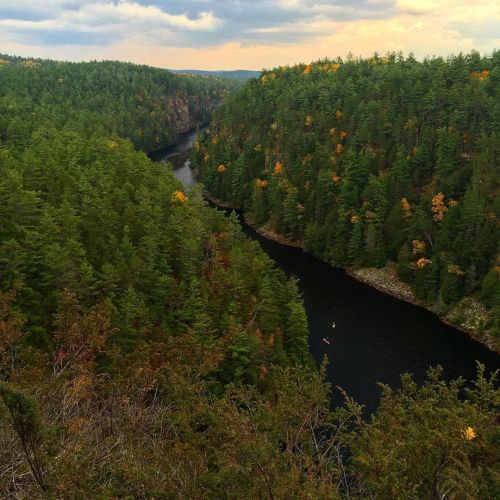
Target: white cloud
{"points": [[251, 33], [135, 13], [119, 20]]}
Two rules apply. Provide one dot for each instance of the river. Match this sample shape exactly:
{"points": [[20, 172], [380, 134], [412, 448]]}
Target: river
{"points": [[376, 337]]}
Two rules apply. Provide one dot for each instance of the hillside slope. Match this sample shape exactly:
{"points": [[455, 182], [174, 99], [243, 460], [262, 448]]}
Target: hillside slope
{"points": [[149, 106], [148, 349], [373, 161]]}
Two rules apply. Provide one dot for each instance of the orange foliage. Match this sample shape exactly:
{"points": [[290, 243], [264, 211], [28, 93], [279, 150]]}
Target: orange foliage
{"points": [[343, 134], [422, 262], [339, 148], [418, 246], [221, 168], [438, 207], [261, 183], [266, 78], [338, 113], [452, 203], [30, 64], [330, 67], [354, 219], [206, 157], [454, 269], [405, 204], [308, 69], [469, 434], [278, 167], [335, 178], [481, 75], [179, 196]]}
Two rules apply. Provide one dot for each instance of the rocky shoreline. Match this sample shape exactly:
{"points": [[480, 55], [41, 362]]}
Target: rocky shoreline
{"points": [[266, 232], [386, 281]]}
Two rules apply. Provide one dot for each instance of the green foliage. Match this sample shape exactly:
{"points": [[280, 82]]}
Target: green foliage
{"points": [[27, 424], [85, 215], [429, 443], [407, 148], [147, 105], [148, 349]]}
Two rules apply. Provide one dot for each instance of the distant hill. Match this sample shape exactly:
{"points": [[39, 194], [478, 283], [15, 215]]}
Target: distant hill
{"points": [[237, 74]]}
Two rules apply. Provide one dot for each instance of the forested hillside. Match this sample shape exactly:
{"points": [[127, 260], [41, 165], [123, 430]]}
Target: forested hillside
{"points": [[148, 349], [147, 105], [372, 161]]}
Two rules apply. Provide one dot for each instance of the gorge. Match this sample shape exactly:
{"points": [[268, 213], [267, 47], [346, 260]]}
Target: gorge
{"points": [[376, 337]]}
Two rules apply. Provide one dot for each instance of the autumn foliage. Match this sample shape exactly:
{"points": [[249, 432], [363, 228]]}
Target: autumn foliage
{"points": [[357, 138], [439, 208], [180, 196]]}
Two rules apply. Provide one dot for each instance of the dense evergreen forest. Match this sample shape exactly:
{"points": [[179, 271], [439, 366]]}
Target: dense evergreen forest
{"points": [[369, 161], [147, 105], [148, 349]]}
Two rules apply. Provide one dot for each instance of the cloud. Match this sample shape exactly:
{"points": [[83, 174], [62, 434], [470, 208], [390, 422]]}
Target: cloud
{"points": [[80, 22], [245, 33], [194, 22]]}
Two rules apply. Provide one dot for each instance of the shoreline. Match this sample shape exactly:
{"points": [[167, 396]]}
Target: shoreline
{"points": [[382, 279]]}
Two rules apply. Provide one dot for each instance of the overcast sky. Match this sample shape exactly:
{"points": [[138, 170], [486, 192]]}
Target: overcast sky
{"points": [[250, 34]]}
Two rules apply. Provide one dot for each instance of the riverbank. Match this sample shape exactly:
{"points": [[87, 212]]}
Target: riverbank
{"points": [[468, 316], [264, 230], [268, 233], [385, 280]]}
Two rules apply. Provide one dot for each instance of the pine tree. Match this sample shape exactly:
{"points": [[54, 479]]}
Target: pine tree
{"points": [[296, 333]]}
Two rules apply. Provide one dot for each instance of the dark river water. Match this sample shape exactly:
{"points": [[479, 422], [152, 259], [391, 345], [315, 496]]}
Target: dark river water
{"points": [[376, 337]]}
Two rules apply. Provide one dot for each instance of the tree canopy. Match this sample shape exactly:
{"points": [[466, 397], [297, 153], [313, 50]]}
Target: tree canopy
{"points": [[148, 349], [373, 160]]}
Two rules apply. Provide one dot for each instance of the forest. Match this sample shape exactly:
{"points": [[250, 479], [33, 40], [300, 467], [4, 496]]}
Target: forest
{"points": [[148, 349], [374, 161], [148, 106]]}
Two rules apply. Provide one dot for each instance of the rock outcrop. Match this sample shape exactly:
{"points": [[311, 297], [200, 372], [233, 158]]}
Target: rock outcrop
{"points": [[189, 112]]}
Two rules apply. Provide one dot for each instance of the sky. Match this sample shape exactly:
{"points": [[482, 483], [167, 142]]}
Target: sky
{"points": [[248, 34]]}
